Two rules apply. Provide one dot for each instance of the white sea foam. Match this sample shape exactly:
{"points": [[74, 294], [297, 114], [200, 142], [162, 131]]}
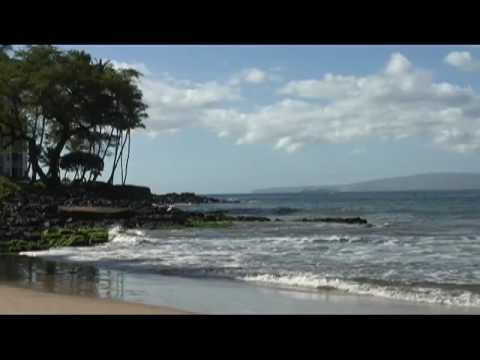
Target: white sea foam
{"points": [[345, 238], [46, 253], [241, 253], [131, 236], [306, 239], [112, 232], [118, 247], [417, 294]]}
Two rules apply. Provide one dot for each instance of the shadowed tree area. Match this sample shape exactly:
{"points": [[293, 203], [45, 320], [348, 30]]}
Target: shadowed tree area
{"points": [[69, 111]]}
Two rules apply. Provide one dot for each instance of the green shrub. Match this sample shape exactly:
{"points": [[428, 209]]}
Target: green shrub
{"points": [[39, 185], [7, 187]]}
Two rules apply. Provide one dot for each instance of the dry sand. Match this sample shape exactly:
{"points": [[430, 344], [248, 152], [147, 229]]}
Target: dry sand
{"points": [[20, 301]]}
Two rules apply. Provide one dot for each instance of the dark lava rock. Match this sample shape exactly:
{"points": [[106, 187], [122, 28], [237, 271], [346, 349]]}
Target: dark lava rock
{"points": [[229, 201], [183, 198], [93, 213], [284, 211], [352, 220], [25, 214], [251, 218], [28, 212]]}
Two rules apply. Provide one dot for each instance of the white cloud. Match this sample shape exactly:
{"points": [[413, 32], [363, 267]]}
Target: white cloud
{"points": [[358, 151], [330, 87], [398, 65], [250, 76], [463, 60], [175, 105], [397, 102], [255, 76], [136, 65]]}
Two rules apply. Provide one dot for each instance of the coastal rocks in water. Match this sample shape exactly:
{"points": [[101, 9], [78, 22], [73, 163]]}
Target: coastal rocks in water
{"points": [[183, 198], [28, 212], [352, 220], [284, 211], [32, 209], [251, 218], [221, 216], [229, 201]]}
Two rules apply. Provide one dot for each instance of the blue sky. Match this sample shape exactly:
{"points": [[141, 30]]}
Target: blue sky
{"points": [[229, 119]]}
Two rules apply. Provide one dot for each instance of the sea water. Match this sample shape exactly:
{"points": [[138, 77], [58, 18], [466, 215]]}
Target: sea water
{"points": [[421, 247]]}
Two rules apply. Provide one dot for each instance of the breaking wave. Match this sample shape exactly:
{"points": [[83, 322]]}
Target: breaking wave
{"points": [[430, 295], [306, 257]]}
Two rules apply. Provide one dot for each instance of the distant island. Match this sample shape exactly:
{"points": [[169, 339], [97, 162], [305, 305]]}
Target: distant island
{"points": [[418, 182]]}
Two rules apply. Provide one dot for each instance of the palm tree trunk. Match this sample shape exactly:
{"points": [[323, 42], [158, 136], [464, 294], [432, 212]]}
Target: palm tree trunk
{"points": [[128, 157], [117, 159]]}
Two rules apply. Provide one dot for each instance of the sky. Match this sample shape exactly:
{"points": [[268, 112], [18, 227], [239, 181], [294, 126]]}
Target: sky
{"points": [[231, 119]]}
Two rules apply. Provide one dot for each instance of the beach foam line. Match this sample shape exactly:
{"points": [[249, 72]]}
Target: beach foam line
{"points": [[412, 294]]}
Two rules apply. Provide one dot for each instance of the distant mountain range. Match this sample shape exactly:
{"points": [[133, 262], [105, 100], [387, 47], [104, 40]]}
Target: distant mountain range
{"points": [[419, 182]]}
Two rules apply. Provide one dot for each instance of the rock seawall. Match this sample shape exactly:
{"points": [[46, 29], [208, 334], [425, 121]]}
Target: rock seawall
{"points": [[27, 213]]}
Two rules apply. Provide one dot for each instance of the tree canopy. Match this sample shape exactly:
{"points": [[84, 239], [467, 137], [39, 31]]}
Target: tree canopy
{"points": [[65, 102]]}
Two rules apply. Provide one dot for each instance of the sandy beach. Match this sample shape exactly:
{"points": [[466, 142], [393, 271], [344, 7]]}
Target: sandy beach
{"points": [[19, 301], [35, 286]]}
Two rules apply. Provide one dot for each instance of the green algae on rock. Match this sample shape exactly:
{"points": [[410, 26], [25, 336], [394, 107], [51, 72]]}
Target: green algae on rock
{"points": [[53, 238]]}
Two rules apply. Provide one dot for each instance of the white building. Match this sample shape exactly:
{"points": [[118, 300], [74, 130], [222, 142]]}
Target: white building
{"points": [[13, 161]]}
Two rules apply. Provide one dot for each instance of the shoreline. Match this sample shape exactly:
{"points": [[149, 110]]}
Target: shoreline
{"points": [[31, 285], [25, 301], [151, 294]]}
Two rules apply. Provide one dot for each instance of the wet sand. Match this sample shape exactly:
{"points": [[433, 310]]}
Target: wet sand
{"points": [[37, 286], [19, 301], [223, 297]]}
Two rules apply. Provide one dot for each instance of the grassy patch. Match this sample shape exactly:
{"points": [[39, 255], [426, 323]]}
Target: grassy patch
{"points": [[38, 185], [7, 187], [53, 238]]}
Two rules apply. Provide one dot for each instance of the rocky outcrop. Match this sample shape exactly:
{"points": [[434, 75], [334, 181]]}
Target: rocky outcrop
{"points": [[284, 211], [251, 218], [351, 220], [183, 198], [25, 214], [96, 213]]}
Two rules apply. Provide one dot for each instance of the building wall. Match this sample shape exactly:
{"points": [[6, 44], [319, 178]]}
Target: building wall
{"points": [[5, 168], [13, 163]]}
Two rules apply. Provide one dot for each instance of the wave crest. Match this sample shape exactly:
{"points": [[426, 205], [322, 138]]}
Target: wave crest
{"points": [[415, 294]]}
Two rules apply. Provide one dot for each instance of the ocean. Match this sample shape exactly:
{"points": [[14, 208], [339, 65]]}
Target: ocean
{"points": [[421, 248]]}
